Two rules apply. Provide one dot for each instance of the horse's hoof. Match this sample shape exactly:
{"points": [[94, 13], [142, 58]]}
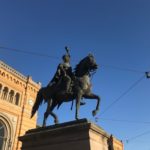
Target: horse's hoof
{"points": [[44, 125], [94, 112], [56, 121]]}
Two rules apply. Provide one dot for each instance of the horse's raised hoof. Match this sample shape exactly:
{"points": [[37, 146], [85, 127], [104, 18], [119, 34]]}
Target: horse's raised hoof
{"points": [[94, 112]]}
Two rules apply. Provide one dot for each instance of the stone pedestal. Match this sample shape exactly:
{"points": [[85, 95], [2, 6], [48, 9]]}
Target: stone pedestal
{"points": [[74, 135]]}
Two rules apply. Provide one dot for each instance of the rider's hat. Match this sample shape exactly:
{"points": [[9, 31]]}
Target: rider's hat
{"points": [[66, 56]]}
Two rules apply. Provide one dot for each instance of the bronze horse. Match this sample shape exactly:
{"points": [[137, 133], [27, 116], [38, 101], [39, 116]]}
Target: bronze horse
{"points": [[81, 88]]}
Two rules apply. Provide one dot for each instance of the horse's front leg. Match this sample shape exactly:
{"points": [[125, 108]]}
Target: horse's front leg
{"points": [[93, 96]]}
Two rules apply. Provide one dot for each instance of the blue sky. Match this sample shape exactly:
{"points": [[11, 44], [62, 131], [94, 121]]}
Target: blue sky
{"points": [[116, 32]]}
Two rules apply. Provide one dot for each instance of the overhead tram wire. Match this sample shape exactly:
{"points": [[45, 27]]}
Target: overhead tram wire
{"points": [[123, 94], [28, 53], [55, 57], [137, 136], [122, 68], [122, 120], [125, 121]]}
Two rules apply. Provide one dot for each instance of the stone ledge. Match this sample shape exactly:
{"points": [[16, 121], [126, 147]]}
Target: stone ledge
{"points": [[75, 135], [72, 126]]}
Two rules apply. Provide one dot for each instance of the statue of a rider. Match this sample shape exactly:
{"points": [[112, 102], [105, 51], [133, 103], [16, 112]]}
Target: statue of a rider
{"points": [[64, 73]]}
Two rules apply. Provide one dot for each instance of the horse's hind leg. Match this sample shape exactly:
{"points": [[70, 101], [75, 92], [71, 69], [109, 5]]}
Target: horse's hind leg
{"points": [[46, 114], [50, 106], [45, 118], [53, 114]]}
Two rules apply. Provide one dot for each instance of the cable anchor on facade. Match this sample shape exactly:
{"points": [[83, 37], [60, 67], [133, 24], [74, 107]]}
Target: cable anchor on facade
{"points": [[147, 75]]}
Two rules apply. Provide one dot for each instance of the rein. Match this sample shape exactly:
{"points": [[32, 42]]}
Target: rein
{"points": [[91, 75]]}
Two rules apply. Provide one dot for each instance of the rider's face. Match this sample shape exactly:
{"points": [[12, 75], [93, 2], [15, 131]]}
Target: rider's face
{"points": [[66, 59]]}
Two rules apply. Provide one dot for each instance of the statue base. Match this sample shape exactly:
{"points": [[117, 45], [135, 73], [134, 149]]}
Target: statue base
{"points": [[74, 135]]}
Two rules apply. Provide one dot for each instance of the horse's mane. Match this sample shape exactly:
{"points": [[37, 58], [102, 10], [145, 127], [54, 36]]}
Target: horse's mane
{"points": [[79, 70]]}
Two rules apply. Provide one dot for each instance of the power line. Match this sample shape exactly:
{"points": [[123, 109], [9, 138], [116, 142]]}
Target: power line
{"points": [[123, 94], [29, 53], [125, 121], [129, 121], [137, 136], [123, 69], [55, 57]]}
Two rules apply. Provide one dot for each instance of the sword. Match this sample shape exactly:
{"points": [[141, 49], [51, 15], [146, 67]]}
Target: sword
{"points": [[67, 50]]}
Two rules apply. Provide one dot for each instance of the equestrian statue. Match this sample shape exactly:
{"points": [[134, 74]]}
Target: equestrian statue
{"points": [[67, 86]]}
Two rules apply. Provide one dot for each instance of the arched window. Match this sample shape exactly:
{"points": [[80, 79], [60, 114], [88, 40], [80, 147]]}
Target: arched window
{"points": [[2, 135], [6, 131], [17, 97], [5, 93], [11, 96]]}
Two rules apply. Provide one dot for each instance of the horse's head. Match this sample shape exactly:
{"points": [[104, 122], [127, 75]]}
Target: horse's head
{"points": [[91, 63], [86, 65]]}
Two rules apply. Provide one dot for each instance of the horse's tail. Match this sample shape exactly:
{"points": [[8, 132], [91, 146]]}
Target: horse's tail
{"points": [[38, 102]]}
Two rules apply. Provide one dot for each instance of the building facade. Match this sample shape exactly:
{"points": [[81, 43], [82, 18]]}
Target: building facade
{"points": [[17, 96]]}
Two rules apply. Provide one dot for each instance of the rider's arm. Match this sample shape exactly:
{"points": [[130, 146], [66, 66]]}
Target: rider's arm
{"points": [[61, 70]]}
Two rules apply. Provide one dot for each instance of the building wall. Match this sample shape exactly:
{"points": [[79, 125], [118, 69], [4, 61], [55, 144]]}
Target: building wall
{"points": [[101, 140], [17, 96], [118, 145]]}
